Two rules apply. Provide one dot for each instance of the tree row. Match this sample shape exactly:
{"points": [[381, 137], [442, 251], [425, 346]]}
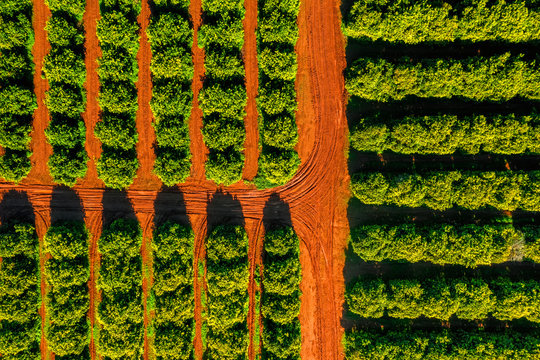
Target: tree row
{"points": [[442, 344], [17, 99], [170, 34], [67, 270], [280, 303], [465, 298], [443, 21], [172, 292], [443, 244], [65, 70], [20, 299], [277, 33], [119, 329], [227, 299], [223, 95], [496, 78], [447, 134], [118, 35], [504, 190]]}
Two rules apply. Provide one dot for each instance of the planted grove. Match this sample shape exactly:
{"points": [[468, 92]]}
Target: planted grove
{"points": [[65, 71], [227, 277], [174, 324], [277, 33], [17, 99], [171, 35], [409, 22], [19, 291], [447, 134], [120, 310], [67, 272], [280, 303], [118, 35], [496, 78], [442, 190], [223, 96]]}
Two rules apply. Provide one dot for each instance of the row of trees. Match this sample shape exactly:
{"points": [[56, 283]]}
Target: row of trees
{"points": [[65, 70], [171, 36], [17, 99], [446, 134], [227, 278], [118, 34], [466, 298], [223, 96], [436, 345], [120, 316], [277, 33], [443, 189], [19, 291], [280, 303], [172, 291], [467, 245], [496, 78], [410, 22], [67, 272]]}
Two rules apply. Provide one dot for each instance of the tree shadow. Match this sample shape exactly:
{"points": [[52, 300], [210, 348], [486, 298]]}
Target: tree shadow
{"points": [[276, 212], [170, 205], [15, 205], [224, 209], [116, 205], [66, 205]]}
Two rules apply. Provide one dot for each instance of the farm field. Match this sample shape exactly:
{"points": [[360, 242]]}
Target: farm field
{"points": [[267, 179], [125, 164], [442, 261]]}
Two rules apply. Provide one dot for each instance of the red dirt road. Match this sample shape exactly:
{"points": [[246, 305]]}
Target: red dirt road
{"points": [[317, 195]]}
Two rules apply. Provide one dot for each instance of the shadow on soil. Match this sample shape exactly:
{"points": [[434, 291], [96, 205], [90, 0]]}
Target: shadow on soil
{"points": [[276, 212], [170, 206], [15, 205], [223, 209], [66, 205], [116, 205]]}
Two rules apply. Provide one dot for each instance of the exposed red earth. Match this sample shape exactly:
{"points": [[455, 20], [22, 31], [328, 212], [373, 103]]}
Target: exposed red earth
{"points": [[316, 196]]}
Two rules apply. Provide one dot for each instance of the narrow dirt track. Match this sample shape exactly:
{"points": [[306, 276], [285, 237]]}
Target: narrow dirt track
{"points": [[316, 195], [252, 84]]}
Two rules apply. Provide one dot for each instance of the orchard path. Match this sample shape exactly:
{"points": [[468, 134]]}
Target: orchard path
{"points": [[317, 196]]}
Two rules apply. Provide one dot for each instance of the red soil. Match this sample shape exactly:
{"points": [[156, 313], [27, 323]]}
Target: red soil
{"points": [[317, 195], [252, 84], [91, 116]]}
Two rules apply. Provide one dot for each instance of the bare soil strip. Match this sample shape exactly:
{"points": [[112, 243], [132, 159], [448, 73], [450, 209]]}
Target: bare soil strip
{"points": [[41, 150], [252, 84]]}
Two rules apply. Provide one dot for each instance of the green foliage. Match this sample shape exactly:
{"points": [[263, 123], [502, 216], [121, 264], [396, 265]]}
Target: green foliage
{"points": [[116, 131], [279, 131], [227, 278], [227, 101], [64, 65], [224, 167], [113, 66], [18, 238], [67, 239], [120, 314], [66, 132], [220, 133], [63, 32], [171, 238], [532, 242], [468, 299], [19, 292], [67, 165], [280, 303], [117, 168], [115, 29], [278, 64], [68, 305], [277, 97], [276, 27], [447, 134], [224, 64], [427, 21], [66, 340], [73, 7], [66, 100], [171, 36], [496, 78], [174, 342], [468, 245], [276, 167], [15, 165], [17, 100], [454, 344], [439, 191]]}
